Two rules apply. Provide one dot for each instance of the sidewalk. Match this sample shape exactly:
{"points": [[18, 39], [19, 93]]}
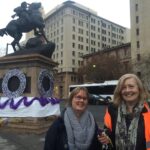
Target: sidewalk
{"points": [[15, 141]]}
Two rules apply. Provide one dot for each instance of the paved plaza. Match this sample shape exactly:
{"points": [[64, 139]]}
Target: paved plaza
{"points": [[15, 141]]}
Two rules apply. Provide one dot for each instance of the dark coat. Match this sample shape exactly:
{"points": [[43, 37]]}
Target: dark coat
{"points": [[56, 137], [141, 141]]}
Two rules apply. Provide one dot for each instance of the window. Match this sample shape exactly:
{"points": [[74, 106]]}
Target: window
{"points": [[73, 28], [74, 21], [87, 25], [87, 33], [137, 31], [61, 54], [103, 31], [73, 53], [137, 19], [62, 21], [103, 24], [92, 27], [87, 48], [61, 45], [61, 29], [80, 23], [136, 7], [103, 38], [73, 61], [138, 44], [92, 34], [92, 20], [80, 31], [61, 62], [73, 37], [87, 40], [73, 45], [80, 38], [138, 57], [61, 37], [74, 12]]}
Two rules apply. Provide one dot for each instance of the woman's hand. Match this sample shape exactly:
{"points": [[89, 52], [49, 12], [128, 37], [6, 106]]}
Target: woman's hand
{"points": [[104, 139]]}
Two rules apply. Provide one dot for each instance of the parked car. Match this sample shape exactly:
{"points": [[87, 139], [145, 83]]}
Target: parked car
{"points": [[97, 99]]}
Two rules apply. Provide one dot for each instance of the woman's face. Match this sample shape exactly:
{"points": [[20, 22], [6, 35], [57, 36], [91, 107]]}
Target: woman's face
{"points": [[80, 102], [130, 90]]}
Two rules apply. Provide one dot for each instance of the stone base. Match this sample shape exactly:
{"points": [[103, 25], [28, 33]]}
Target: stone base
{"points": [[28, 125]]}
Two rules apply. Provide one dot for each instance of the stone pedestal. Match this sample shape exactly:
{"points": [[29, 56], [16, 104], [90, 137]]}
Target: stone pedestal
{"points": [[30, 65]]}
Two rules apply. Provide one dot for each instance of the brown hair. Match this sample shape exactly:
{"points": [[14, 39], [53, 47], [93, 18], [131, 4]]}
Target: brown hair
{"points": [[117, 93], [74, 92]]}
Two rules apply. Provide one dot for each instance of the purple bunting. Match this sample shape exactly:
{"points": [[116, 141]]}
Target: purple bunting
{"points": [[15, 105]]}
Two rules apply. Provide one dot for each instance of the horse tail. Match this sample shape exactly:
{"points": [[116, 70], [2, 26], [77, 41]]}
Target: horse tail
{"points": [[3, 31]]}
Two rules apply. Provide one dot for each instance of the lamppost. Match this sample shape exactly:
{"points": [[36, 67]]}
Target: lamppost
{"points": [[94, 66]]}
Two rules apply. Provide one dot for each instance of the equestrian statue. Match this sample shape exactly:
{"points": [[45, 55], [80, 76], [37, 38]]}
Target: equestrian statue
{"points": [[29, 18]]}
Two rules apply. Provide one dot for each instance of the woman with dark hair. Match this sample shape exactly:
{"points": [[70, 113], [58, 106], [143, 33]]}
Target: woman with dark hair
{"points": [[76, 128], [127, 119]]}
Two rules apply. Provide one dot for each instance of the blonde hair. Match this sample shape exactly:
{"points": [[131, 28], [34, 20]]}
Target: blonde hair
{"points": [[117, 93], [74, 92]]}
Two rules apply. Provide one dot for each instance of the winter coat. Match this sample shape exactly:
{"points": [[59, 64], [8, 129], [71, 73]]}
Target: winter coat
{"points": [[56, 137], [141, 140]]}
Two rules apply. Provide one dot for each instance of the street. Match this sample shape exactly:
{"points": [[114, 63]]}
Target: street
{"points": [[15, 141]]}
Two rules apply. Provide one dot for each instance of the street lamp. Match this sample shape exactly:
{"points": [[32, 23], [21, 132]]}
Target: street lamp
{"points": [[94, 66]]}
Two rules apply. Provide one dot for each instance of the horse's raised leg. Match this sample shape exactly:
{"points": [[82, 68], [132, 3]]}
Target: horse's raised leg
{"points": [[19, 46], [15, 42], [13, 45]]}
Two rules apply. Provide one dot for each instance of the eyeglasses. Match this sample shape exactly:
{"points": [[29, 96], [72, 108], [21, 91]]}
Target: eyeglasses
{"points": [[80, 97]]}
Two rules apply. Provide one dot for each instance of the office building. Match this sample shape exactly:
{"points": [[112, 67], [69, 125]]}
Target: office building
{"points": [[140, 34], [77, 30]]}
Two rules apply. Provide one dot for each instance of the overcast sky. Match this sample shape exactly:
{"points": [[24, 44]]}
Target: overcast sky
{"points": [[117, 11]]}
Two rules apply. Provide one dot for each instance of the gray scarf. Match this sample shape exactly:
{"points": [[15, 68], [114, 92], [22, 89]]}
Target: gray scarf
{"points": [[79, 132], [126, 138]]}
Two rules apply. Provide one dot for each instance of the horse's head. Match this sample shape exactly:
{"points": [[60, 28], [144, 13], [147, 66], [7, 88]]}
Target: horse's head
{"points": [[34, 6]]}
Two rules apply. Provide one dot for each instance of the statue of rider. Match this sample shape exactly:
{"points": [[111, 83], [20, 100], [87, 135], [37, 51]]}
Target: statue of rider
{"points": [[23, 13]]}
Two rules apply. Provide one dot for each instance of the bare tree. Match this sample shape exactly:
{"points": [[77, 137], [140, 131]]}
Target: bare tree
{"points": [[103, 68]]}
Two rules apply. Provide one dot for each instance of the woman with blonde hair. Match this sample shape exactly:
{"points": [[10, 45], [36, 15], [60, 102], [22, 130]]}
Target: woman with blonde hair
{"points": [[127, 119]]}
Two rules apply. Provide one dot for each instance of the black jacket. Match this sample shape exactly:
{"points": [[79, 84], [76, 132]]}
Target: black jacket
{"points": [[56, 137], [141, 141]]}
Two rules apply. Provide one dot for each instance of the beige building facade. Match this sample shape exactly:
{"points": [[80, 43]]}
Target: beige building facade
{"points": [[77, 31], [140, 34]]}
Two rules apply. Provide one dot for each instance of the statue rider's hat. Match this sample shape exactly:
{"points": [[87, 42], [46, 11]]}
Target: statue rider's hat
{"points": [[24, 4]]}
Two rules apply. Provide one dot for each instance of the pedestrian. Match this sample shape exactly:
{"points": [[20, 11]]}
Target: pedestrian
{"points": [[76, 128], [127, 119]]}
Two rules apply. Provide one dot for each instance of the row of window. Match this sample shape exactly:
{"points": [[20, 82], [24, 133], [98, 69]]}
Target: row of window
{"points": [[73, 78], [93, 27], [93, 42], [80, 63], [114, 35], [56, 55], [137, 34]]}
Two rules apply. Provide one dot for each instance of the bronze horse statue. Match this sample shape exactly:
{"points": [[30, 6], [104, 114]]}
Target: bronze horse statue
{"points": [[16, 27]]}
